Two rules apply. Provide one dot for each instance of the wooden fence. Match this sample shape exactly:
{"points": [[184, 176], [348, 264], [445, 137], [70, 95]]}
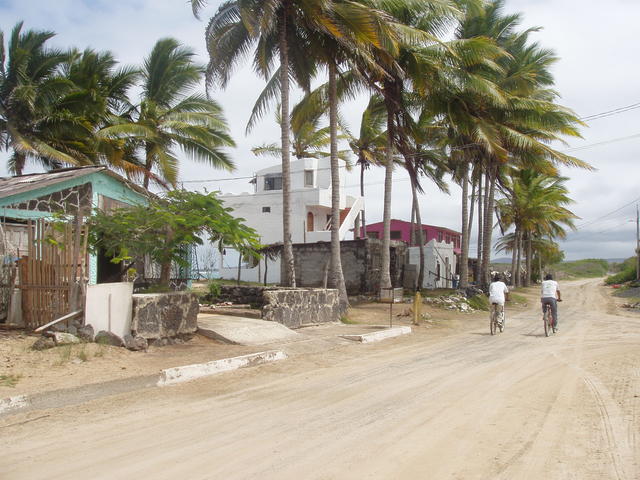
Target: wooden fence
{"points": [[52, 274]]}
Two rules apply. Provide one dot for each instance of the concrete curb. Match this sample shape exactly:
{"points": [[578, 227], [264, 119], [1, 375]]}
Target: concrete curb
{"points": [[379, 335], [172, 376], [13, 403], [84, 393]]}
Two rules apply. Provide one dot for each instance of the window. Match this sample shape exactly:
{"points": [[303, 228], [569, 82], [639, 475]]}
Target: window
{"points": [[439, 236], [396, 235], [372, 234], [310, 225], [266, 209], [308, 178], [273, 182]]}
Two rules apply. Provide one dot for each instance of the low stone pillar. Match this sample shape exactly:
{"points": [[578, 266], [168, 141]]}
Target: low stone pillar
{"points": [[297, 307], [161, 315]]}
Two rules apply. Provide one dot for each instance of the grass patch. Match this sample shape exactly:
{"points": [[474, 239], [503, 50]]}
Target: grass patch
{"points": [[587, 268], [518, 299], [82, 355], [100, 351], [348, 321], [436, 292], [65, 355], [9, 380], [479, 302]]}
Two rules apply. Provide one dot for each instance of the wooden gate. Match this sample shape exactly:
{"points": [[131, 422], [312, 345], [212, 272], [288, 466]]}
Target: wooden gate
{"points": [[52, 275]]}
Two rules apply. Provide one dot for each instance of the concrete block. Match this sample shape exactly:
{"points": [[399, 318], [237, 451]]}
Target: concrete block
{"points": [[172, 376], [161, 315], [379, 335]]}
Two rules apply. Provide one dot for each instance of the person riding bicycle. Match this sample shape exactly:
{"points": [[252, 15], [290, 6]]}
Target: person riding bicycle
{"points": [[498, 293], [551, 296]]}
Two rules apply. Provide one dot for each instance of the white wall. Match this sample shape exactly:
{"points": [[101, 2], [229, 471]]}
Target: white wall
{"points": [[435, 253], [316, 199]]}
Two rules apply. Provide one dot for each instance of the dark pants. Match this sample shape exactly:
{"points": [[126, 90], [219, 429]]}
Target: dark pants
{"points": [[554, 307]]}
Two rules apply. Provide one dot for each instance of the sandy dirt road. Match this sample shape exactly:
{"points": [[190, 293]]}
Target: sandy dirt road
{"points": [[469, 406]]}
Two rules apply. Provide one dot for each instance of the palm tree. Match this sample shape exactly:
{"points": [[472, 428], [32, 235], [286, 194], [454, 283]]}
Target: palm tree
{"points": [[170, 115], [309, 138], [410, 62], [29, 84], [100, 93], [535, 205], [277, 29], [369, 146]]}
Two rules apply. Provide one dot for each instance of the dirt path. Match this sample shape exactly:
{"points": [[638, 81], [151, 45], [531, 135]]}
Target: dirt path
{"points": [[468, 406]]}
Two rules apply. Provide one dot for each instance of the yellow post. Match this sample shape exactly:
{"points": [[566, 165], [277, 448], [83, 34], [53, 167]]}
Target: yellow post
{"points": [[417, 307]]}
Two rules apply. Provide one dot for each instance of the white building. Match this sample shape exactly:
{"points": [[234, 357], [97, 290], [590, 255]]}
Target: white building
{"points": [[439, 264], [310, 212]]}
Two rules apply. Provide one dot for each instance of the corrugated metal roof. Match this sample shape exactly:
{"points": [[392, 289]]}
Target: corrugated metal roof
{"points": [[24, 183]]}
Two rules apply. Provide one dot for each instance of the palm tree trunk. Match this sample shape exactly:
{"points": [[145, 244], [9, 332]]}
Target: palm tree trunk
{"points": [[19, 161], [488, 225], [287, 250], [364, 222], [385, 274], [464, 254], [472, 204], [527, 279], [480, 229], [148, 165], [514, 255], [418, 233], [412, 226], [519, 259], [337, 278]]}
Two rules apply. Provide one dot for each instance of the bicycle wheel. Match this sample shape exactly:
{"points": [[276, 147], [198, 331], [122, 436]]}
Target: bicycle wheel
{"points": [[546, 321], [492, 321]]}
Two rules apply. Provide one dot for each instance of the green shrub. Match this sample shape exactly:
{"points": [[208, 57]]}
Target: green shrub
{"points": [[626, 275], [479, 302], [214, 287]]}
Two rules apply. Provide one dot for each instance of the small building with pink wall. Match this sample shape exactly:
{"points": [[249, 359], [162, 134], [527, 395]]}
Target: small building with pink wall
{"points": [[401, 230]]}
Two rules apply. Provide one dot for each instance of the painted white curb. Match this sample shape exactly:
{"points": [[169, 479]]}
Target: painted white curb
{"points": [[171, 376], [379, 335], [13, 403]]}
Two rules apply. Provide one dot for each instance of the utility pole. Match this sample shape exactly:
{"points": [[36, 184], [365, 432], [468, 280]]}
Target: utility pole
{"points": [[637, 243]]}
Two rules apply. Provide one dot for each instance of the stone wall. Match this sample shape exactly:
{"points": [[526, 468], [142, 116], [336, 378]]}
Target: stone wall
{"points": [[161, 315], [361, 264], [297, 307], [70, 201], [242, 295]]}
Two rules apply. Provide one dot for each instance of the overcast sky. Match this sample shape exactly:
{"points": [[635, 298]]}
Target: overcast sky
{"points": [[597, 72]]}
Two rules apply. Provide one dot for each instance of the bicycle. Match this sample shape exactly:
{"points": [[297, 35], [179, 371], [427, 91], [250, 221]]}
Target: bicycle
{"points": [[547, 319], [494, 319]]}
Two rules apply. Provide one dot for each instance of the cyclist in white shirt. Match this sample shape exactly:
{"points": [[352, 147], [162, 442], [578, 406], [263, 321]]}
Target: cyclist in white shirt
{"points": [[498, 293], [551, 296]]}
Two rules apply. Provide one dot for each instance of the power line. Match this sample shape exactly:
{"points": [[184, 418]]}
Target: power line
{"points": [[591, 222], [609, 113], [605, 142]]}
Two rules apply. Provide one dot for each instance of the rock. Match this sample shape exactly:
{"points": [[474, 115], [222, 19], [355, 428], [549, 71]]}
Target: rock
{"points": [[108, 338], [59, 327], [62, 338], [86, 333], [135, 344], [72, 330], [141, 343], [44, 343]]}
